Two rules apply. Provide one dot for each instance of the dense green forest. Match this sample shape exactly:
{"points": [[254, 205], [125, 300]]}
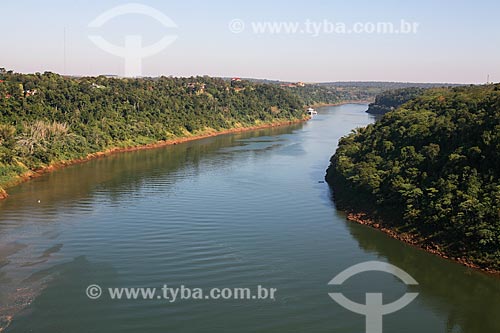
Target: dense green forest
{"points": [[45, 118], [316, 94], [392, 99], [339, 92], [387, 95], [430, 168]]}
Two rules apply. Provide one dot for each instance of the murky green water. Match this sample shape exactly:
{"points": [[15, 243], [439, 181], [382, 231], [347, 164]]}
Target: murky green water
{"points": [[231, 211]]}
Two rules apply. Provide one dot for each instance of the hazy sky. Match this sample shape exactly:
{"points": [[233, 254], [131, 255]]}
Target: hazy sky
{"points": [[456, 41]]}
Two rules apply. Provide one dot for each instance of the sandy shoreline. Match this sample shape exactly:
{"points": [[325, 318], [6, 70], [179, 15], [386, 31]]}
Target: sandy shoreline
{"points": [[61, 164], [365, 219]]}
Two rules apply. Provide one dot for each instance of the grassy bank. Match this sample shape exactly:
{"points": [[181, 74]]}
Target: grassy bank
{"points": [[19, 175]]}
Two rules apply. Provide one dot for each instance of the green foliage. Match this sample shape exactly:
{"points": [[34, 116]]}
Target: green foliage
{"points": [[313, 94], [431, 166], [392, 99], [45, 118]]}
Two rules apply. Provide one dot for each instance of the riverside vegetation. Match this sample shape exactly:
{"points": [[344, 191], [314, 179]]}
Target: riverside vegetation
{"points": [[430, 169], [392, 99], [47, 118]]}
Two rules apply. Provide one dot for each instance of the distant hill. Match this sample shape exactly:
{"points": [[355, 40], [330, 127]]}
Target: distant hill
{"points": [[335, 92], [392, 99], [388, 85]]}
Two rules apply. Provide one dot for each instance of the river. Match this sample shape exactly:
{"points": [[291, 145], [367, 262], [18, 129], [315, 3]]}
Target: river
{"points": [[237, 210]]}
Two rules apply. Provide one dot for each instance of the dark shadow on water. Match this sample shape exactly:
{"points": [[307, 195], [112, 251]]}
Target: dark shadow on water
{"points": [[123, 174], [469, 299], [59, 288]]}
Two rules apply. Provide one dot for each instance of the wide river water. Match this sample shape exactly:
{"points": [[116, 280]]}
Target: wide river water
{"points": [[237, 210]]}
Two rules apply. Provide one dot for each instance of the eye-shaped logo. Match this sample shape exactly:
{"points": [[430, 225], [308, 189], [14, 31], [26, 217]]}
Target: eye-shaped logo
{"points": [[133, 52], [374, 309]]}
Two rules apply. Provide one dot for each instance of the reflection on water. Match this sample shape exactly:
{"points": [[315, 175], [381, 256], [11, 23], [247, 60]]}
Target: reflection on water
{"points": [[232, 211], [468, 299], [37, 209]]}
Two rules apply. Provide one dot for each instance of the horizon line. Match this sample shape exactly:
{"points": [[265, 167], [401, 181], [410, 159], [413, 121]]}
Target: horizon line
{"points": [[108, 75]]}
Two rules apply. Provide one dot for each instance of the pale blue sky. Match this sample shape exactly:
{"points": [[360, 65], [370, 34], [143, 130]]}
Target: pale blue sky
{"points": [[457, 41]]}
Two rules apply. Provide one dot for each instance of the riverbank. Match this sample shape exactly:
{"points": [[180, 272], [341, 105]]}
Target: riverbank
{"points": [[414, 240], [115, 150]]}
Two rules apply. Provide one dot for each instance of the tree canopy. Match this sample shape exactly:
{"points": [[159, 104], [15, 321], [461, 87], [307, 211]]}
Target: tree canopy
{"points": [[431, 168], [392, 99], [45, 118]]}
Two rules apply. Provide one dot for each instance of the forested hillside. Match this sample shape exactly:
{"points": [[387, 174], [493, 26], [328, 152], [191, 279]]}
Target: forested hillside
{"points": [[45, 118], [430, 168], [317, 94], [392, 99]]}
